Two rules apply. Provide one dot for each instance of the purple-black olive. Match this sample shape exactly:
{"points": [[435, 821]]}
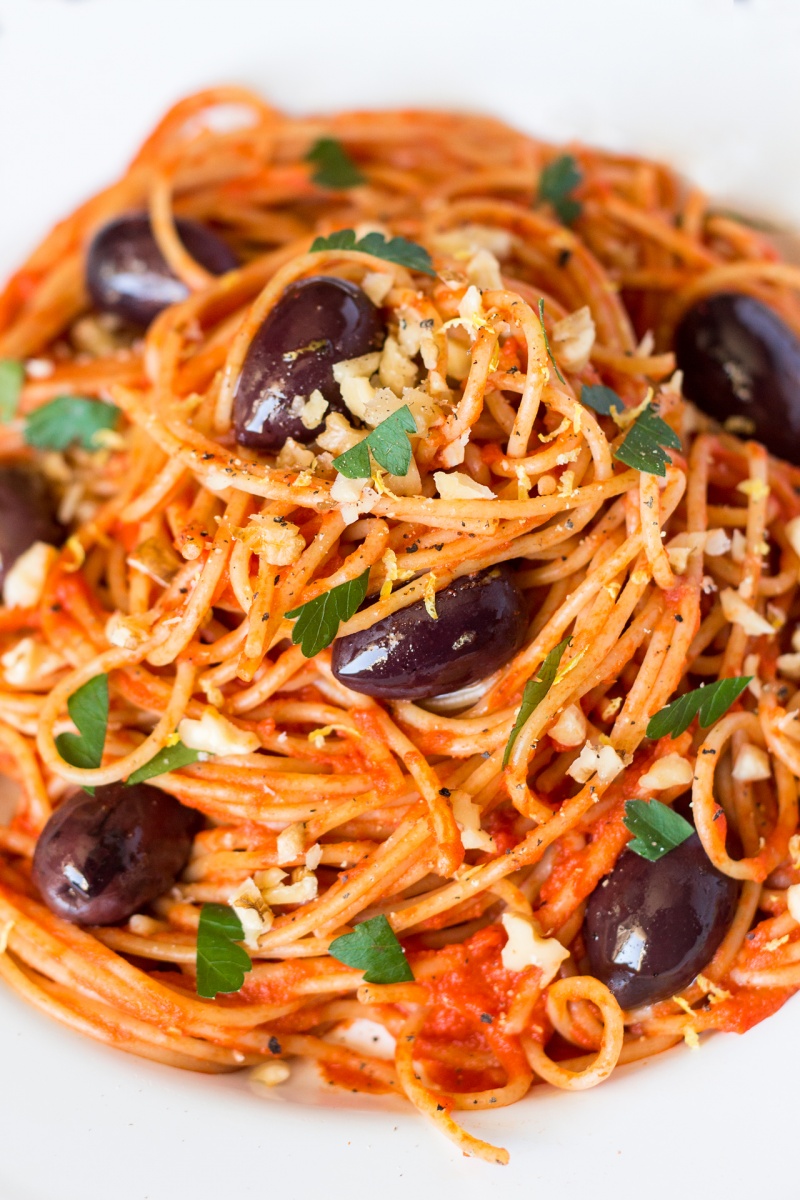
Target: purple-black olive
{"points": [[317, 322], [410, 656], [651, 927], [27, 514], [100, 858], [739, 359], [127, 275]]}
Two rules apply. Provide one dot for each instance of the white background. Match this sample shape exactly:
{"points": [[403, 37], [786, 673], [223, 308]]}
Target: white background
{"points": [[711, 85]]}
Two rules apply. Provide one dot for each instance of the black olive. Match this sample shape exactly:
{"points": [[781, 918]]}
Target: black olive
{"points": [[409, 656], [27, 514], [739, 359], [127, 275], [317, 322], [100, 858], [653, 926]]}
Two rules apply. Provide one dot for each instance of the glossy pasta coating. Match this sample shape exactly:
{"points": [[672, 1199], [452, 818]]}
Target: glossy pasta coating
{"points": [[216, 580]]}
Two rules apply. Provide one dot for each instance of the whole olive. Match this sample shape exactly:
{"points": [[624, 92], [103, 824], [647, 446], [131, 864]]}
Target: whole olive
{"points": [[317, 322], [100, 858], [27, 514], [739, 359], [653, 926], [126, 273], [481, 623]]}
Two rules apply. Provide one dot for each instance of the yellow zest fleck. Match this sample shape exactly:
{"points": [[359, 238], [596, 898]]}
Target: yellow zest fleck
{"points": [[716, 994], [610, 708], [304, 479], [612, 588], [378, 484], [689, 1030], [108, 439], [625, 417], [494, 361], [389, 561], [690, 1036], [429, 595], [173, 739], [794, 850], [776, 942], [566, 484], [563, 428], [5, 931], [474, 322], [573, 662], [317, 736], [754, 489], [74, 547], [523, 483], [577, 418]]}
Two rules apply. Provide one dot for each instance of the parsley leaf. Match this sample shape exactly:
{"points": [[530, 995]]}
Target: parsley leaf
{"points": [[69, 419], [388, 443], [547, 342], [334, 168], [397, 250], [221, 963], [317, 622], [657, 829], [88, 708], [535, 692], [558, 180], [601, 399], [12, 376], [373, 948], [708, 704], [168, 759], [641, 446]]}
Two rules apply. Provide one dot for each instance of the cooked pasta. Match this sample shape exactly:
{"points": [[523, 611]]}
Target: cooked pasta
{"points": [[386, 648]]}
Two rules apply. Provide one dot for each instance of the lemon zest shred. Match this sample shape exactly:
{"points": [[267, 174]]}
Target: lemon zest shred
{"points": [[429, 595], [75, 547], [754, 489], [624, 418]]}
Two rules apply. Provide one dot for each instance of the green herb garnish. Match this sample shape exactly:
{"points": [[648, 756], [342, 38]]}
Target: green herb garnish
{"points": [[535, 692], [168, 759], [547, 342], [397, 250], [373, 948], [221, 962], [334, 168], [390, 447], [88, 709], [69, 419], [641, 447], [708, 704], [557, 182], [318, 621], [601, 399], [657, 829], [12, 377]]}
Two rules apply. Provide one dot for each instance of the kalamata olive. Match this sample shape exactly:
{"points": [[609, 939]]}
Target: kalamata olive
{"points": [[100, 858], [739, 359], [407, 656], [127, 275], [27, 514], [653, 926], [317, 322]]}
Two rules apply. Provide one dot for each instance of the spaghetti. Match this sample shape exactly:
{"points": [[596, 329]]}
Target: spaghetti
{"points": [[339, 807]]}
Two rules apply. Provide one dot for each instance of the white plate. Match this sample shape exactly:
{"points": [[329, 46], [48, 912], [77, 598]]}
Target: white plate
{"points": [[711, 85]]}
